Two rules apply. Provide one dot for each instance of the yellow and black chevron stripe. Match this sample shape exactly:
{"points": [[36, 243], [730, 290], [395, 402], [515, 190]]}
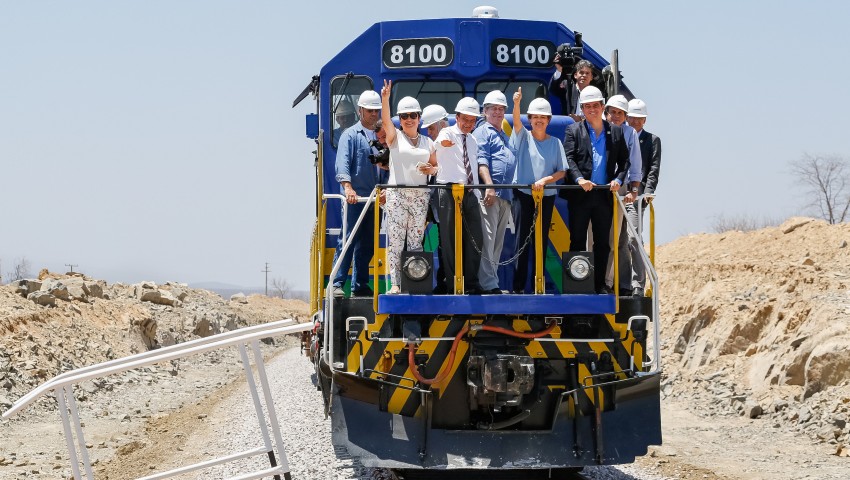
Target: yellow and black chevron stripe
{"points": [[390, 357]]}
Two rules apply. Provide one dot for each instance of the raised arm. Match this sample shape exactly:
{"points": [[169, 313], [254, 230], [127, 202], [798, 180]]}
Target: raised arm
{"points": [[517, 112], [386, 119]]}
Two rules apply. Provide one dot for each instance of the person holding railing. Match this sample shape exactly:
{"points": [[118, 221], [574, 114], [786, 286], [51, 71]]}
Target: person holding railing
{"points": [[615, 112], [650, 149], [357, 176], [540, 161], [412, 159], [496, 164], [597, 154]]}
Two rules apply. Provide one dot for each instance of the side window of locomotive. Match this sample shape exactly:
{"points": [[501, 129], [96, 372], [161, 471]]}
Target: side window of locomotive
{"points": [[345, 92], [531, 89], [440, 92]]}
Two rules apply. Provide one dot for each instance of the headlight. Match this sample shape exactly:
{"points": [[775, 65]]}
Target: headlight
{"points": [[416, 268], [579, 268]]}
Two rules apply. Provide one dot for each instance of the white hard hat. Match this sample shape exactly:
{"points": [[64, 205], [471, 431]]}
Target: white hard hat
{"points": [[590, 94], [344, 108], [618, 101], [539, 106], [408, 104], [496, 98], [468, 106], [637, 108], [369, 99], [433, 114]]}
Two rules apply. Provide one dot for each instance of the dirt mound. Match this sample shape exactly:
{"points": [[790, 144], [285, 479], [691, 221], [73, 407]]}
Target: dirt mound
{"points": [[88, 322], [757, 323]]}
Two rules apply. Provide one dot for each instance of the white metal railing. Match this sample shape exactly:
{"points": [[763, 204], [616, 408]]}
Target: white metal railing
{"points": [[62, 387], [652, 274], [328, 344]]}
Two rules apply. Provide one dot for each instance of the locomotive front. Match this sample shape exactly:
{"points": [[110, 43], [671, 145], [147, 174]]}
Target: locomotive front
{"points": [[560, 378]]}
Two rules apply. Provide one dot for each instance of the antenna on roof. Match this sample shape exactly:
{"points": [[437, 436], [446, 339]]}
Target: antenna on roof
{"points": [[485, 12]]}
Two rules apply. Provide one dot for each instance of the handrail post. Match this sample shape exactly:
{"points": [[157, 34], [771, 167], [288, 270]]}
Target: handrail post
{"points": [[616, 258], [376, 287], [539, 248], [457, 194], [651, 230], [320, 261]]}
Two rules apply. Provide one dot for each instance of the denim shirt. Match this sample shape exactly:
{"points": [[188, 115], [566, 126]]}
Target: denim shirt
{"points": [[352, 160], [494, 152]]}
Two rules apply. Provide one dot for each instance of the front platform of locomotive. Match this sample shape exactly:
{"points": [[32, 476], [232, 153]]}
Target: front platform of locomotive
{"points": [[562, 377]]}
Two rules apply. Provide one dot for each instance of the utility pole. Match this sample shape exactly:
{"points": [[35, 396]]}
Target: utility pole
{"points": [[267, 278], [71, 267]]}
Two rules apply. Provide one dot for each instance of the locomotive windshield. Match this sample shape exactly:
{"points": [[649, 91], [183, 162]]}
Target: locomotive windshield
{"points": [[440, 92]]}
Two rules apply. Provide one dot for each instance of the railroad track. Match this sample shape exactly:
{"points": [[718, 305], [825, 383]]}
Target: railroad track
{"points": [[553, 474]]}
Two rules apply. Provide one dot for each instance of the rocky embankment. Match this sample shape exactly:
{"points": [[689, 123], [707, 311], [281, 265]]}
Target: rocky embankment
{"points": [[62, 322], [757, 324]]}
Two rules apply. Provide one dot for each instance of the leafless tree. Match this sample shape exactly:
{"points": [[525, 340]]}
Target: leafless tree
{"points": [[741, 223], [20, 270], [281, 288], [826, 179]]}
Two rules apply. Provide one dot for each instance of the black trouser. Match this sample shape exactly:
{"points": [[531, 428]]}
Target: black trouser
{"points": [[472, 237], [596, 206], [434, 216], [524, 221]]}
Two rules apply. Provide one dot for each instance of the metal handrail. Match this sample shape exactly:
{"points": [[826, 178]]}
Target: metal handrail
{"points": [[150, 357], [62, 387], [653, 279], [348, 240]]}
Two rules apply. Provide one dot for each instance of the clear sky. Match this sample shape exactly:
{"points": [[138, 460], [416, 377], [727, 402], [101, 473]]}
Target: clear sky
{"points": [[156, 140]]}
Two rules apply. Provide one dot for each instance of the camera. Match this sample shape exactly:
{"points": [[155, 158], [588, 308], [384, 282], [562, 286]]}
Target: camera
{"points": [[570, 54], [381, 155]]}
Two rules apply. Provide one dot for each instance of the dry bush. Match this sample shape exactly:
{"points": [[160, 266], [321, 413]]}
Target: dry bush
{"points": [[741, 223]]}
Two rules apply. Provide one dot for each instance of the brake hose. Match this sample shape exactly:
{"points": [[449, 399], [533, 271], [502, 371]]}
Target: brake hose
{"points": [[451, 360]]}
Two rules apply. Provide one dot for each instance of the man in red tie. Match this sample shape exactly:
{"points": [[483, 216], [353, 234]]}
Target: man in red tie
{"points": [[457, 152]]}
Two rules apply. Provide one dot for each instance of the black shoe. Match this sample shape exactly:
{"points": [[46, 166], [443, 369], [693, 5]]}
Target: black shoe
{"points": [[363, 292], [518, 292], [476, 291], [441, 289], [606, 290], [495, 291], [625, 292], [637, 292]]}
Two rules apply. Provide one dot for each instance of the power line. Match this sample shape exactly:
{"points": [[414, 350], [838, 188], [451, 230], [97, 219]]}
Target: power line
{"points": [[267, 278]]}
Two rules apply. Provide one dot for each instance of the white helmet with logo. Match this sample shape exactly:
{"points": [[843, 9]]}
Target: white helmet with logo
{"points": [[590, 94], [496, 98], [369, 100], [637, 108], [433, 114], [408, 104], [618, 101], [539, 106], [468, 106]]}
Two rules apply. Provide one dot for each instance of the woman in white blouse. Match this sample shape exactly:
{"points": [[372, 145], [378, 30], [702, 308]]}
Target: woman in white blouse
{"points": [[412, 159]]}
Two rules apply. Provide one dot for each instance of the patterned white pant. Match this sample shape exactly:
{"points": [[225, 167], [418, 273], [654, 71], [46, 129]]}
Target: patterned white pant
{"points": [[405, 210]]}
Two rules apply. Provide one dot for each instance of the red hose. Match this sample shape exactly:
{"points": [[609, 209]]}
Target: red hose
{"points": [[451, 360]]}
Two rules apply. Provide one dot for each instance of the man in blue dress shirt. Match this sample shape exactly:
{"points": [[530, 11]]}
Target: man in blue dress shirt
{"points": [[496, 165]]}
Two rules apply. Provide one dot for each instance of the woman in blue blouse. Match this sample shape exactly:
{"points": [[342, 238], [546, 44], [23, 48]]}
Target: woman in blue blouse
{"points": [[540, 160]]}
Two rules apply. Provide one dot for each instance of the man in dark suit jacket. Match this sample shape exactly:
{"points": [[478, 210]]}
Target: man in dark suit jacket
{"points": [[650, 152], [650, 147], [597, 154]]}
